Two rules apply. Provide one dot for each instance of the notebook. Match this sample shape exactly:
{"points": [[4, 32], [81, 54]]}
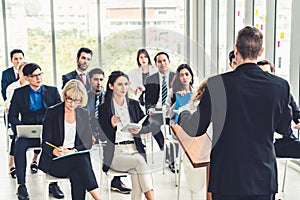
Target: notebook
{"points": [[181, 101], [29, 131]]}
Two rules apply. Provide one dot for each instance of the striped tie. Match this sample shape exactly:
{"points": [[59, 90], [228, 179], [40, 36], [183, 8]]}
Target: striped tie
{"points": [[98, 101], [164, 91]]}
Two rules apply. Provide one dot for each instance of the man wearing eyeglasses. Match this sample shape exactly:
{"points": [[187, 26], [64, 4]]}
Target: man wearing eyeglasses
{"points": [[31, 102]]}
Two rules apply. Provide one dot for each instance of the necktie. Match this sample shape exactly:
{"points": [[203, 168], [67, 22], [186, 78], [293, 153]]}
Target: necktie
{"points": [[18, 77], [98, 102], [82, 77], [164, 91]]}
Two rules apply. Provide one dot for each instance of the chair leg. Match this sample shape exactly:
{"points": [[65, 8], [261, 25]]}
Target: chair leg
{"points": [[179, 176], [284, 175], [108, 187], [175, 166]]}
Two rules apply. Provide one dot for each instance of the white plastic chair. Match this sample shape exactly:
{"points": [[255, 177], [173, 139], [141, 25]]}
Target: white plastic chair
{"points": [[47, 180]]}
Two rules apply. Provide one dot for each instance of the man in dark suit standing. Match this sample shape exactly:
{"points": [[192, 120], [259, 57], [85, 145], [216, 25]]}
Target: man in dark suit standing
{"points": [[245, 107], [157, 86], [31, 102], [10, 75], [84, 57]]}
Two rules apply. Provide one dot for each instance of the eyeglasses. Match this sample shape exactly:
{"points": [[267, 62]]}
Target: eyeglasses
{"points": [[36, 75], [70, 100]]}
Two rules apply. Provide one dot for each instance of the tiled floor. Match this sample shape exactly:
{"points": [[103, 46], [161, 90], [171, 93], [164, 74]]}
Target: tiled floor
{"points": [[164, 183]]}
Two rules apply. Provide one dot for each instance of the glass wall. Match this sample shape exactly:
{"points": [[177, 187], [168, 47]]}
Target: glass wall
{"points": [[283, 38], [115, 30], [28, 29], [75, 24]]}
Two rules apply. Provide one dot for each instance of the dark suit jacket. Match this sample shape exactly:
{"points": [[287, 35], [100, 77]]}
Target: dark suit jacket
{"points": [[106, 112], [53, 132], [8, 77], [91, 103], [74, 75], [245, 107], [152, 94], [152, 91], [20, 104]]}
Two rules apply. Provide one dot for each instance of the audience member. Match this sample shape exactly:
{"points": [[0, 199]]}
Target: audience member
{"points": [[157, 86], [125, 151], [30, 103], [95, 99], [138, 75], [245, 107], [181, 84], [287, 146], [66, 126], [84, 57], [10, 75], [232, 61], [9, 93]]}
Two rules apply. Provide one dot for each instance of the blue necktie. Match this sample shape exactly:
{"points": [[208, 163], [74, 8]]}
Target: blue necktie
{"points": [[164, 91]]}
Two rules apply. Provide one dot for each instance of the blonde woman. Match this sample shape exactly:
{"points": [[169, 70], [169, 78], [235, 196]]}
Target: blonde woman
{"points": [[66, 126]]}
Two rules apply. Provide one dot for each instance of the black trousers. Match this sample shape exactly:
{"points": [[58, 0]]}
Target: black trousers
{"points": [[243, 197], [79, 169]]}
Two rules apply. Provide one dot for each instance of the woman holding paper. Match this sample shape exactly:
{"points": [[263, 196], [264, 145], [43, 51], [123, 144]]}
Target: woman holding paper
{"points": [[179, 95], [125, 151], [182, 84], [66, 130]]}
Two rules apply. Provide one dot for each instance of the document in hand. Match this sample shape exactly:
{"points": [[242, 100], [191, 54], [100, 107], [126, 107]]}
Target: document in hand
{"points": [[181, 101], [134, 125], [78, 152]]}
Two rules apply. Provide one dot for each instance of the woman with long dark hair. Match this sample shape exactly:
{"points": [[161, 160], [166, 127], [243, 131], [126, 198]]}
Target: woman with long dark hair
{"points": [[124, 151]]}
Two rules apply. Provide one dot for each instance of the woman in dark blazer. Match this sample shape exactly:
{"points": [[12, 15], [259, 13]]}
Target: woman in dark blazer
{"points": [[66, 126], [124, 151]]}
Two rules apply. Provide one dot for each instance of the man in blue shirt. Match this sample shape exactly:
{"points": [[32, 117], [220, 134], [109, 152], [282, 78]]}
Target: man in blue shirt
{"points": [[30, 103]]}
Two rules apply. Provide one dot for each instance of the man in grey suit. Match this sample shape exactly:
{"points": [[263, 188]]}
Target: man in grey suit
{"points": [[84, 57], [245, 107]]}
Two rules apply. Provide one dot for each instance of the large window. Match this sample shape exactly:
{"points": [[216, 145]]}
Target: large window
{"points": [[75, 24], [27, 29], [283, 38]]}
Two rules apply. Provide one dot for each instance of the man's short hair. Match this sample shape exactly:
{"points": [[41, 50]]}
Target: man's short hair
{"points": [[231, 56], [84, 49], [160, 53], [16, 51], [30, 68], [95, 71], [266, 62], [249, 42]]}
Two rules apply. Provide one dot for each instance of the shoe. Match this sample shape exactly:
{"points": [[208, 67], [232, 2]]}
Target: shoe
{"points": [[120, 187], [34, 167], [55, 191], [22, 193], [12, 172], [172, 168]]}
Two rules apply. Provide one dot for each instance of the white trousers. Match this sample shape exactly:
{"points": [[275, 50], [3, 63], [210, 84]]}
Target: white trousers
{"points": [[128, 159]]}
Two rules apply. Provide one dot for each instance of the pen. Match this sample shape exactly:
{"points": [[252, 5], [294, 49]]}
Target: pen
{"points": [[119, 118], [51, 145]]}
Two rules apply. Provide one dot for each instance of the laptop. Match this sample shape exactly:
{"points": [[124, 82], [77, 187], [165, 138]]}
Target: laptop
{"points": [[29, 131]]}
